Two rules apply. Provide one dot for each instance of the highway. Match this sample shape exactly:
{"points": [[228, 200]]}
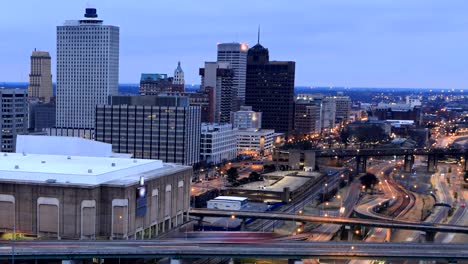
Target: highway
{"points": [[397, 224], [191, 249]]}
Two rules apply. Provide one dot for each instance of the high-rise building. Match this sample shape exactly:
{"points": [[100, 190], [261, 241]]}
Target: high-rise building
{"points": [[40, 78], [14, 120], [246, 118], [151, 127], [270, 89], [307, 116], [219, 76], [328, 113], [236, 55], [87, 69], [343, 108], [179, 76], [255, 142], [218, 142]]}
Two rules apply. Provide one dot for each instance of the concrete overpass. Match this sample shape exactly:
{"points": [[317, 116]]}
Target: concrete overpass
{"points": [[137, 249], [431, 228], [361, 155]]}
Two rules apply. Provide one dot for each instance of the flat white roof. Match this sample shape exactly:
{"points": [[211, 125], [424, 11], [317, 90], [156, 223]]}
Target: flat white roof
{"points": [[232, 198], [56, 145], [79, 170]]}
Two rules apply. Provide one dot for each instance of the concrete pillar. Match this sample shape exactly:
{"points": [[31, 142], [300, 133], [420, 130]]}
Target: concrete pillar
{"points": [[175, 261], [431, 163], [409, 161], [430, 236], [388, 235], [200, 222], [358, 162]]}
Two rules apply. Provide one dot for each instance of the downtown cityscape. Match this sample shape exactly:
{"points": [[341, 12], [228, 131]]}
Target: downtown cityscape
{"points": [[246, 151]]}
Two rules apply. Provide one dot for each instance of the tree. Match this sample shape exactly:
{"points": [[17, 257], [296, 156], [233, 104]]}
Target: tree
{"points": [[369, 180], [232, 174], [255, 176]]}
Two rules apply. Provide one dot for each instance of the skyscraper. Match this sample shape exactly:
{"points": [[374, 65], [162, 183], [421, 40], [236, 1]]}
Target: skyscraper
{"points": [[236, 55], [219, 76], [87, 69], [40, 78], [270, 89]]}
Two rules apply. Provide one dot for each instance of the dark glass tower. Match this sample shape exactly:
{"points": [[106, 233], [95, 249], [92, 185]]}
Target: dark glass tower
{"points": [[270, 89]]}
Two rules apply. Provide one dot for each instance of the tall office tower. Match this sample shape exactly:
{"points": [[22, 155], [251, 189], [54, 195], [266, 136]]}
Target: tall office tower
{"points": [[328, 113], [270, 89], [246, 118], [236, 55], [219, 76], [151, 127], [87, 69], [14, 120], [40, 78], [179, 77], [307, 116]]}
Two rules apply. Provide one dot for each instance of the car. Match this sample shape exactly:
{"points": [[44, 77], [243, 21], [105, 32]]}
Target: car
{"points": [[462, 205]]}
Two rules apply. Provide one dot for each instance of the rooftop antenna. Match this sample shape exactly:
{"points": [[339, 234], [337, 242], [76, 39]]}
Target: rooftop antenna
{"points": [[258, 35]]}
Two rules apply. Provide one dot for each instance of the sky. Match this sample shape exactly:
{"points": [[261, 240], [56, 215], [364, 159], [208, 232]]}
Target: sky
{"points": [[358, 43]]}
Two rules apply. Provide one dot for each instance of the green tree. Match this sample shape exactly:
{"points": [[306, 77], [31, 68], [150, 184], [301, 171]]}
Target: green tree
{"points": [[232, 174], [369, 180], [255, 176]]}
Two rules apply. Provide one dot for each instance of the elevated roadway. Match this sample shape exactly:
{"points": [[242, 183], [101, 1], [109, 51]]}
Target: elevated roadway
{"points": [[23, 250], [434, 227]]}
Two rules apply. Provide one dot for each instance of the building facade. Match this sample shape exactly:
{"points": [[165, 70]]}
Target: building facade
{"points": [[218, 76], [236, 55], [151, 127], [155, 83], [87, 69], [40, 77], [14, 121], [179, 77], [307, 116], [343, 109], [270, 89], [328, 113], [81, 197], [41, 115], [255, 142], [246, 118], [218, 142]]}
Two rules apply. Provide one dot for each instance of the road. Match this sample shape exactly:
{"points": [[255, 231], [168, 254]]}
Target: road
{"points": [[191, 249]]}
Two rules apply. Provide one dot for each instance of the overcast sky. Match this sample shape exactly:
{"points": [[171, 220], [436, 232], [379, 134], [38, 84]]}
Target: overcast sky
{"points": [[354, 43]]}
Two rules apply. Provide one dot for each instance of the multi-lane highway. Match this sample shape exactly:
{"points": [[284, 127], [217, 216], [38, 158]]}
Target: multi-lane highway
{"points": [[191, 249]]}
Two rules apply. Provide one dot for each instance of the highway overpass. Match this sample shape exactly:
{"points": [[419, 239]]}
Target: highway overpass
{"points": [[397, 224], [134, 249]]}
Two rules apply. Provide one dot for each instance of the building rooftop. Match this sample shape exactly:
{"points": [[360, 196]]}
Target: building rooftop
{"points": [[79, 170]]}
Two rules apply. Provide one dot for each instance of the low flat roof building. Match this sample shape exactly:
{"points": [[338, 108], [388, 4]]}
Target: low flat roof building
{"points": [[84, 197]]}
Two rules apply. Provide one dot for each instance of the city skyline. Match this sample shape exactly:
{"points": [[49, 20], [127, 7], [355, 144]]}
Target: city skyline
{"points": [[334, 43]]}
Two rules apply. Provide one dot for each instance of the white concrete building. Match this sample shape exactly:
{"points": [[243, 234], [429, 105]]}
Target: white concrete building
{"points": [[218, 142], [246, 118], [255, 142], [328, 113], [236, 55], [87, 69]]}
